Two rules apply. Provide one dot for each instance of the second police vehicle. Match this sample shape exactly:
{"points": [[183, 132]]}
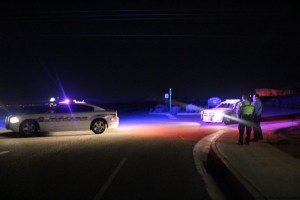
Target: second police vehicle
{"points": [[224, 112]]}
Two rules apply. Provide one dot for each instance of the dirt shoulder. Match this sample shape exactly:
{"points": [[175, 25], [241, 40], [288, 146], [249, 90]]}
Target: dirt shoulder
{"points": [[286, 139]]}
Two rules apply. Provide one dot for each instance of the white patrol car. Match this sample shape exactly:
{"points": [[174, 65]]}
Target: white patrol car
{"points": [[65, 116], [224, 112]]}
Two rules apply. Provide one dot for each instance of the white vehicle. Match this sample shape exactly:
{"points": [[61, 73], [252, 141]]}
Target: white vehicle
{"points": [[224, 112], [63, 117]]}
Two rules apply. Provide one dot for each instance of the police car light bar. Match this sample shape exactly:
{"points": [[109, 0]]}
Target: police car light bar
{"points": [[66, 101], [75, 101], [52, 99]]}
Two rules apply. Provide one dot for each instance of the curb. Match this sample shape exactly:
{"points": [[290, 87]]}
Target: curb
{"points": [[224, 173]]}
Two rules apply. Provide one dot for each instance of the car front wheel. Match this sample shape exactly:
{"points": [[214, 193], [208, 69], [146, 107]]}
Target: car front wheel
{"points": [[98, 126], [226, 120], [28, 127]]}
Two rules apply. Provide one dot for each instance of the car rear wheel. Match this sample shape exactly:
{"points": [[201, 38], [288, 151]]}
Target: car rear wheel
{"points": [[98, 126], [28, 127]]}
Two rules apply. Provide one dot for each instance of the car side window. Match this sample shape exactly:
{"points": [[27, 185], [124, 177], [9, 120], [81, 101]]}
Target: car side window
{"points": [[235, 106], [81, 108], [74, 108], [64, 108]]}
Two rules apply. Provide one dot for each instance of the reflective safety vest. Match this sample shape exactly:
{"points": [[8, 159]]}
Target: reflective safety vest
{"points": [[246, 107]]}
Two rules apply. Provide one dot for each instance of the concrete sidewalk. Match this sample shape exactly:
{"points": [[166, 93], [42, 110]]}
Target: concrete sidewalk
{"points": [[258, 170]]}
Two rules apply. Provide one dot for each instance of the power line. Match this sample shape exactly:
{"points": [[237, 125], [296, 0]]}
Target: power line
{"points": [[165, 14]]}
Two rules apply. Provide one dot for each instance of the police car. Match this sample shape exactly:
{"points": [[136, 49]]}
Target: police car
{"points": [[224, 112], [65, 116]]}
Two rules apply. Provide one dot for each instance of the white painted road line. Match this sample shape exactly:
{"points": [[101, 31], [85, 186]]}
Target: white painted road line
{"points": [[110, 179], [3, 152]]}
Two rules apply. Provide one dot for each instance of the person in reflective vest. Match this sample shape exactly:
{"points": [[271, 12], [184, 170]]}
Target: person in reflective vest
{"points": [[245, 115]]}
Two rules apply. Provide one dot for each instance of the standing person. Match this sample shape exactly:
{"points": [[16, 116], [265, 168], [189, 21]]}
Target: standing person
{"points": [[257, 133], [244, 113]]}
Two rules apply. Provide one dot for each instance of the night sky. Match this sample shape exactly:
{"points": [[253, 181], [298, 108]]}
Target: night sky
{"points": [[123, 51]]}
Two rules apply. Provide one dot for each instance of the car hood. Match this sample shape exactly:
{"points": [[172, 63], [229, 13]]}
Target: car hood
{"points": [[216, 109]]}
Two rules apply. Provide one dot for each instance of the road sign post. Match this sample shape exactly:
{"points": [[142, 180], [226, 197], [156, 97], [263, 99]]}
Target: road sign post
{"points": [[167, 97], [170, 93]]}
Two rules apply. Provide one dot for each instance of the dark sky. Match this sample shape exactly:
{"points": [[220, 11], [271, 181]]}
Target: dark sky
{"points": [[140, 51]]}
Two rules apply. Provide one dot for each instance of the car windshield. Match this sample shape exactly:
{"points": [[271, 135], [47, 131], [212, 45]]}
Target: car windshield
{"points": [[225, 105]]}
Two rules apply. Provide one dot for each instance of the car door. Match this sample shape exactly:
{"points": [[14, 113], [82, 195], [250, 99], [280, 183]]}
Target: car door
{"points": [[81, 115], [61, 119]]}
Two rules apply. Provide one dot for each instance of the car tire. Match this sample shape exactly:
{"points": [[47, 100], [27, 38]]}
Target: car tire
{"points": [[98, 126], [29, 127], [226, 121]]}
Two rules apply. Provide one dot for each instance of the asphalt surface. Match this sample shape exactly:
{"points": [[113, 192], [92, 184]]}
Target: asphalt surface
{"points": [[135, 161]]}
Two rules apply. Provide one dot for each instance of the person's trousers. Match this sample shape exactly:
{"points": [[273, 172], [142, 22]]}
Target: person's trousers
{"points": [[257, 132], [245, 124]]}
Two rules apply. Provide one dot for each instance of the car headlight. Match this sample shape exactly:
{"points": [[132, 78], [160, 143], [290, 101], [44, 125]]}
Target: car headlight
{"points": [[14, 120]]}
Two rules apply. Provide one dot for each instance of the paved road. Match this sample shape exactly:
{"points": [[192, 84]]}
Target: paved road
{"points": [[141, 161]]}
